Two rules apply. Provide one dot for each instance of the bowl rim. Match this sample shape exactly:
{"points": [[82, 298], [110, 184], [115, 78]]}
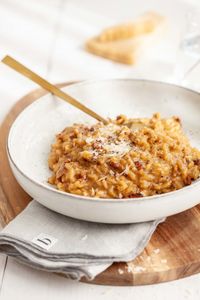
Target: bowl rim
{"points": [[86, 198]]}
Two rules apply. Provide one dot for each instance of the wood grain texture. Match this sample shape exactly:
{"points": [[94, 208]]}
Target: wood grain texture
{"points": [[12, 198], [172, 253]]}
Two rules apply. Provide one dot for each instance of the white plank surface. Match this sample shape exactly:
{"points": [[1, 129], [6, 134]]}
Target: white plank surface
{"points": [[21, 282], [38, 34], [27, 32]]}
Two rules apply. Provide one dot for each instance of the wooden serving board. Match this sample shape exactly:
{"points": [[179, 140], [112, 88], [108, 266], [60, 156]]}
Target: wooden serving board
{"points": [[172, 253]]}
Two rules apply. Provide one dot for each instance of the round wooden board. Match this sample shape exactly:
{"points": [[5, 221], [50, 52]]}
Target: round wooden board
{"points": [[172, 253]]}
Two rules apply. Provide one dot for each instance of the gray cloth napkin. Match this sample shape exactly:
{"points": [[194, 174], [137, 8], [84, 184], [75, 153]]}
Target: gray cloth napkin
{"points": [[52, 242]]}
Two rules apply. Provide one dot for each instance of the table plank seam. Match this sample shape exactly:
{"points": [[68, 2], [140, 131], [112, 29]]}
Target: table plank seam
{"points": [[55, 32], [4, 271]]}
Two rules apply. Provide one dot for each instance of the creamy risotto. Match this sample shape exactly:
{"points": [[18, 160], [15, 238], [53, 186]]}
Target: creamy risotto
{"points": [[125, 158]]}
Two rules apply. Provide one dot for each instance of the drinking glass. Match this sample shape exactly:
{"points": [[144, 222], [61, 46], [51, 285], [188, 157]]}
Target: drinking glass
{"points": [[188, 56]]}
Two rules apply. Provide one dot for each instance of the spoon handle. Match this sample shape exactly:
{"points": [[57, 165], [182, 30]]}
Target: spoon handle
{"points": [[17, 66]]}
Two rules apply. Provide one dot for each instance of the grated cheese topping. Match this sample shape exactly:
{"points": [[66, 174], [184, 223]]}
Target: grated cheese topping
{"points": [[107, 141]]}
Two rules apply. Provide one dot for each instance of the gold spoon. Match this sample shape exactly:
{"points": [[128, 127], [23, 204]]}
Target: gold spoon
{"points": [[17, 66]]}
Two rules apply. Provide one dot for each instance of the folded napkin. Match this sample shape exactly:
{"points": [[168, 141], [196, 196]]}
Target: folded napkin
{"points": [[52, 242]]}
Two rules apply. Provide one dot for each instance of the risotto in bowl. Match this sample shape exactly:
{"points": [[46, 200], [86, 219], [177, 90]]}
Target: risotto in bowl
{"points": [[140, 166], [126, 158]]}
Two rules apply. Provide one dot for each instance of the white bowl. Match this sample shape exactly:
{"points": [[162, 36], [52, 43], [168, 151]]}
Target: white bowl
{"points": [[34, 131]]}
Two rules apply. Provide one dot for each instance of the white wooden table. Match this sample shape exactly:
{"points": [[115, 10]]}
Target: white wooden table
{"points": [[34, 32]]}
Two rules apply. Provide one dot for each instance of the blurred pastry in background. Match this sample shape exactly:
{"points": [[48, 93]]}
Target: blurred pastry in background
{"points": [[122, 43]]}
